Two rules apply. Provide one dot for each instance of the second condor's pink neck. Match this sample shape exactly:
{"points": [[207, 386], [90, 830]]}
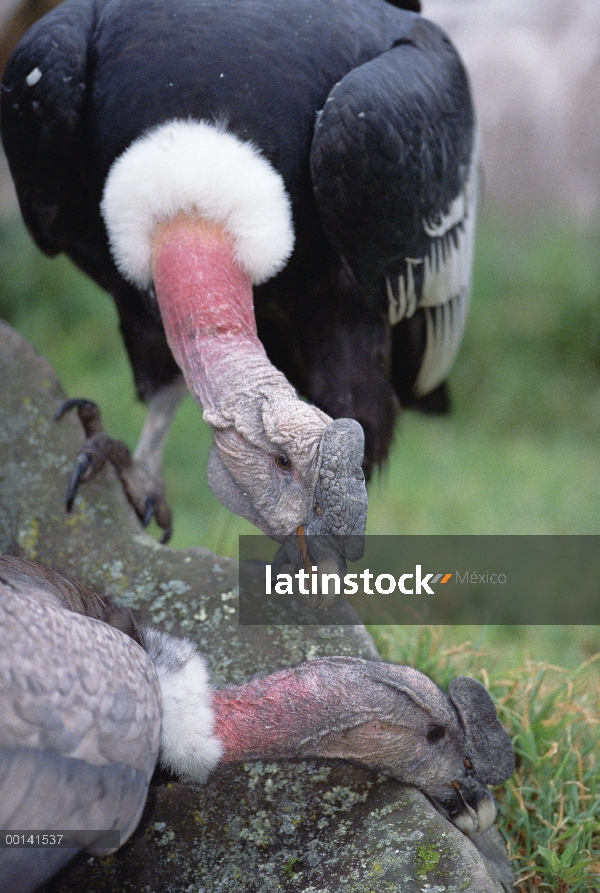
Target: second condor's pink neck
{"points": [[283, 715]]}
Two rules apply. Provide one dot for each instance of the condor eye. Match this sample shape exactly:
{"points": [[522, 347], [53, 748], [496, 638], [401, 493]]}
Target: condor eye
{"points": [[282, 462], [435, 733]]}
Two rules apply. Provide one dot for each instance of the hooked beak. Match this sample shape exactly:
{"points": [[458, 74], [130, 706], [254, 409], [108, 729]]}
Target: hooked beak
{"points": [[320, 555], [335, 528], [315, 555], [303, 550], [472, 808]]}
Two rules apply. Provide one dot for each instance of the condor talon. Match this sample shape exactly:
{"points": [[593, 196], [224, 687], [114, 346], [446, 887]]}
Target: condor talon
{"points": [[140, 474], [72, 403], [149, 510], [88, 412], [82, 466], [165, 537], [65, 407]]}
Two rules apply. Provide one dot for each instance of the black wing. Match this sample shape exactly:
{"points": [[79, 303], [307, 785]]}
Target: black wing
{"points": [[394, 172], [411, 5], [44, 97], [45, 131]]}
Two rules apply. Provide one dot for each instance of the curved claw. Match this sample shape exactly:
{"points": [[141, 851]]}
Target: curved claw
{"points": [[88, 412], [149, 510], [82, 465], [156, 507], [75, 402]]}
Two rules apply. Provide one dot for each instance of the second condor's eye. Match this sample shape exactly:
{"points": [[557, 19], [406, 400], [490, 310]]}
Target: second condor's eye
{"points": [[282, 462], [435, 733]]}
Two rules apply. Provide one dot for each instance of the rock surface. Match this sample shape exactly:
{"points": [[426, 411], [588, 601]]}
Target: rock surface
{"points": [[314, 826]]}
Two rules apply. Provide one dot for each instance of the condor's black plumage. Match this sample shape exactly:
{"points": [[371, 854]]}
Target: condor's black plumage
{"points": [[363, 112]]}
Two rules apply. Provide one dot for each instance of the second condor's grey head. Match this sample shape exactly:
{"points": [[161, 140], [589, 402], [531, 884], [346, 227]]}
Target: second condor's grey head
{"points": [[398, 721]]}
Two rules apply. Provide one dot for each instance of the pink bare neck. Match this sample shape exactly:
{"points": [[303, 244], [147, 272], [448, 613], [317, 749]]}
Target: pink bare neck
{"points": [[206, 304], [275, 717]]}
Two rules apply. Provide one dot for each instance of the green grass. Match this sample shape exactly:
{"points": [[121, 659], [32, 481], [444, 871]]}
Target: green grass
{"points": [[549, 810], [519, 454]]}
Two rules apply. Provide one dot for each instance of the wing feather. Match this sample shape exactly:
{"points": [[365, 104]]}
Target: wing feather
{"points": [[42, 110], [80, 718], [74, 686], [395, 170], [445, 285]]}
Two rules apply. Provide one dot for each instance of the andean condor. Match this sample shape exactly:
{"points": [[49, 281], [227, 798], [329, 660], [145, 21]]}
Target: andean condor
{"points": [[90, 700], [280, 197]]}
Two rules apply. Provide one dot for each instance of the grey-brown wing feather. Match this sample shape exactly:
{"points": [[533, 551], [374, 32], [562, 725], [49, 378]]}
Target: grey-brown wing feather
{"points": [[41, 790], [80, 719], [24, 870], [74, 686]]}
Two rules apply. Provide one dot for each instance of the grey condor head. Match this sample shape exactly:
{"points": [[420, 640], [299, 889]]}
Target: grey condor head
{"points": [[450, 746]]}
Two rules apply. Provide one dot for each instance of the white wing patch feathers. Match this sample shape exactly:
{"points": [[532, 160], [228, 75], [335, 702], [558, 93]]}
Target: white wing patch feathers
{"points": [[446, 283], [458, 210]]}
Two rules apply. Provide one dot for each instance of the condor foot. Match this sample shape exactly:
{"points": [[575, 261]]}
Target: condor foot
{"points": [[145, 492]]}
